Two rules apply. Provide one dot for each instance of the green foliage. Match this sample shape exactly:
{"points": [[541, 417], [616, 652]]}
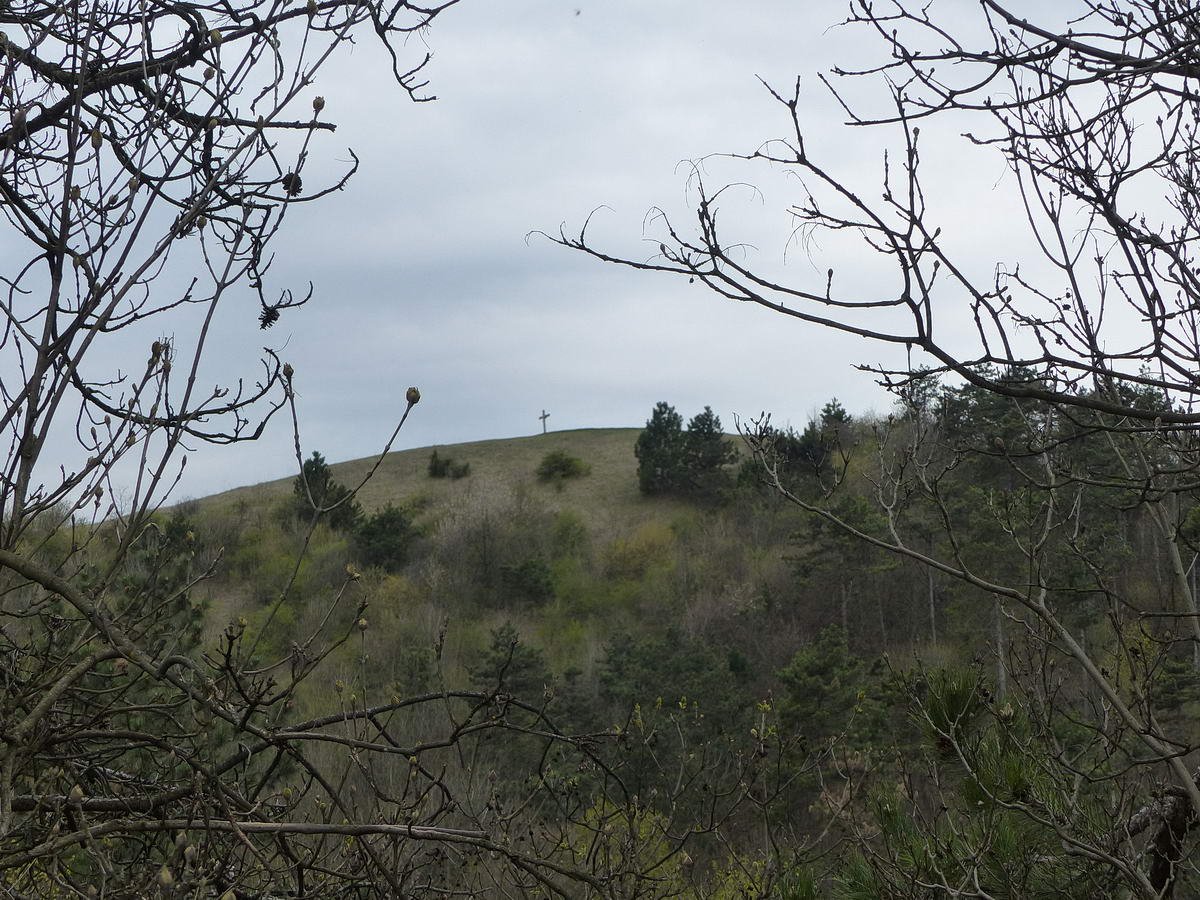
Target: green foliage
{"points": [[955, 700], [671, 668], [707, 453], [558, 465], [511, 666], [384, 538], [672, 461], [315, 491], [527, 582], [660, 452], [828, 691], [447, 467], [159, 571], [802, 459]]}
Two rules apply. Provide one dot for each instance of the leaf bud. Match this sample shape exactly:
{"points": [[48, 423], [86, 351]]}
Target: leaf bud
{"points": [[165, 878], [216, 36], [362, 624], [75, 192], [209, 72], [97, 139], [76, 796], [288, 371], [413, 396], [318, 104], [312, 8]]}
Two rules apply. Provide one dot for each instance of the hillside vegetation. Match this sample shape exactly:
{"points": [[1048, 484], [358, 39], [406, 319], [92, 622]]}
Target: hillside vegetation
{"points": [[587, 573]]}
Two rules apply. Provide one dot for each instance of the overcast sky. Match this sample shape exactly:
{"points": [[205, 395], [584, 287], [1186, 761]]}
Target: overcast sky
{"points": [[548, 110]]}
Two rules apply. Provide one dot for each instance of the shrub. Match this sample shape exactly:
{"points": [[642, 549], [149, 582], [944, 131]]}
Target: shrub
{"points": [[528, 581], [559, 465], [384, 538], [446, 467]]}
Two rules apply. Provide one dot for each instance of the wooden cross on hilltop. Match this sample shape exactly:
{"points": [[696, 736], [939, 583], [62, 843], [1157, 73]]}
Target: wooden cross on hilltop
{"points": [[544, 416]]}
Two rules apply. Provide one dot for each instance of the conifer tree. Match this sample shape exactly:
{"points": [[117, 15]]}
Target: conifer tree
{"points": [[660, 450]]}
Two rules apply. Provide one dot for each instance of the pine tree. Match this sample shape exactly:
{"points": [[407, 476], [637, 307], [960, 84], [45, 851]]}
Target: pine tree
{"points": [[315, 488], [661, 452], [707, 453]]}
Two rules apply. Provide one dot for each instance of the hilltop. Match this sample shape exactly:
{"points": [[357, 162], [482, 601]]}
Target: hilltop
{"points": [[607, 500]]}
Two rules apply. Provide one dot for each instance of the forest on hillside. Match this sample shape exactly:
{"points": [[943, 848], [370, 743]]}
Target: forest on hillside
{"points": [[947, 651], [740, 646]]}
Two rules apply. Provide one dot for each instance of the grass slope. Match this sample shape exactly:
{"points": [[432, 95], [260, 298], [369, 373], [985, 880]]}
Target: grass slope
{"points": [[607, 499]]}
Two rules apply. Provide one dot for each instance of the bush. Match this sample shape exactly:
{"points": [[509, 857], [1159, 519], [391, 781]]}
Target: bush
{"points": [[528, 581], [384, 538], [446, 467], [559, 465]]}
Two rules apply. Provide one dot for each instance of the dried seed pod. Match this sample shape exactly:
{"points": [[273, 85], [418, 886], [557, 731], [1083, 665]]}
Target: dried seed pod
{"points": [[318, 104]]}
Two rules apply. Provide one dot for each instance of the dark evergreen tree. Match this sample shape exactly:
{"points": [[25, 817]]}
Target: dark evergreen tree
{"points": [[384, 538], [708, 452], [661, 452], [511, 666], [315, 491]]}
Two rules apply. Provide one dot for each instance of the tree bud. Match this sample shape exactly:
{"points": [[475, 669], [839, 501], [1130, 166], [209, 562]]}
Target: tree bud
{"points": [[216, 36], [209, 72], [97, 139], [288, 371], [413, 396], [165, 878], [318, 104]]}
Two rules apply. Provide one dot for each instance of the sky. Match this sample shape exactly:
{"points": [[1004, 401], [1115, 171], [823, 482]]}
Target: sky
{"points": [[426, 272]]}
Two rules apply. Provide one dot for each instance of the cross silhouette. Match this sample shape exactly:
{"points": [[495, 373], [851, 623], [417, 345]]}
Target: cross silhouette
{"points": [[544, 416]]}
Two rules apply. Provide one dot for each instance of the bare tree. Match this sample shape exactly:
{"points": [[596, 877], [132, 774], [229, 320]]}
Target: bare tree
{"points": [[1093, 344]]}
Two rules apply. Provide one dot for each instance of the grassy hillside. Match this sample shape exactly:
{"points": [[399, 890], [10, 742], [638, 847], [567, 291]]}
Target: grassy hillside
{"points": [[607, 500]]}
